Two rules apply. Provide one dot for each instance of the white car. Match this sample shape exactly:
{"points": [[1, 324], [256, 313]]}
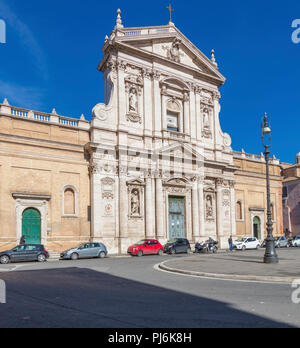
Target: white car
{"points": [[247, 243], [296, 242]]}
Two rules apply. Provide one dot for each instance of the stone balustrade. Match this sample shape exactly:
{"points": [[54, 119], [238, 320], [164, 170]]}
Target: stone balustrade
{"points": [[256, 158], [50, 118]]}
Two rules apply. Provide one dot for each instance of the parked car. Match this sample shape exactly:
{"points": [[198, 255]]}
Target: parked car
{"points": [[247, 243], [296, 242], [177, 246], [146, 247], [282, 242], [27, 252], [85, 251]]}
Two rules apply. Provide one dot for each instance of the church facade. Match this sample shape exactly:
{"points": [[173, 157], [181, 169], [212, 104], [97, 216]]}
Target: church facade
{"points": [[161, 165], [153, 162]]}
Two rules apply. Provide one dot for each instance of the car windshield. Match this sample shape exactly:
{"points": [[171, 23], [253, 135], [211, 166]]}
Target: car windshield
{"points": [[140, 243], [172, 241], [241, 240]]}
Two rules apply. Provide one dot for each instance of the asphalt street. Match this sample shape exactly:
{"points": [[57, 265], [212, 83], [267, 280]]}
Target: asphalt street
{"points": [[132, 293]]}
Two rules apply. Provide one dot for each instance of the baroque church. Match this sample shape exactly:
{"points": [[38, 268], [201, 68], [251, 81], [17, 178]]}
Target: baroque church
{"points": [[153, 162]]}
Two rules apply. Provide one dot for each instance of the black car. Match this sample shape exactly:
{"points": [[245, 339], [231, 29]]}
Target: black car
{"points": [[28, 252], [178, 246]]}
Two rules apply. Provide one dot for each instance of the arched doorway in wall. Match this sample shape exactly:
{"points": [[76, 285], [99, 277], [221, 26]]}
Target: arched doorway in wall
{"points": [[31, 226], [257, 228]]}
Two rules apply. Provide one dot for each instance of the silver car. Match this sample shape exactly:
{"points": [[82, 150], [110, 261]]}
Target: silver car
{"points": [[85, 251], [282, 242]]}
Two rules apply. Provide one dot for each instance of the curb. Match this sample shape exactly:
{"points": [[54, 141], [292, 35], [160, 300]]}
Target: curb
{"points": [[286, 280]]}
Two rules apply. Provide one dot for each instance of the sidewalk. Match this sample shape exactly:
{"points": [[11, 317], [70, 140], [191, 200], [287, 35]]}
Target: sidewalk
{"points": [[239, 265]]}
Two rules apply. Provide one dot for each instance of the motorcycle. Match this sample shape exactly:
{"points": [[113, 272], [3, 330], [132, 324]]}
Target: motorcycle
{"points": [[208, 247]]}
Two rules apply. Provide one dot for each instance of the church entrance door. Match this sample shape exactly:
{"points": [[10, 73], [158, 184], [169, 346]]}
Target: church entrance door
{"points": [[176, 217], [257, 228], [31, 226]]}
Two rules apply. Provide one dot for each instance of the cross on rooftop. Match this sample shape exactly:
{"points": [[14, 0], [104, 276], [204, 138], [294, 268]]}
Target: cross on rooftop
{"points": [[170, 10]]}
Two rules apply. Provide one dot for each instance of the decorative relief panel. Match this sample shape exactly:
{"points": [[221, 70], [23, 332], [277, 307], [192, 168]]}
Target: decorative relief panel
{"points": [[108, 195], [173, 52], [226, 204]]}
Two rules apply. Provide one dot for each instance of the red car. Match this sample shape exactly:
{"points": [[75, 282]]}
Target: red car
{"points": [[146, 247]]}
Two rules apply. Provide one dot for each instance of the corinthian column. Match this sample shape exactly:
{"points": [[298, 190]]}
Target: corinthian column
{"points": [[123, 204], [220, 208], [186, 106], [149, 209], [201, 206], [196, 230], [159, 209], [233, 207]]}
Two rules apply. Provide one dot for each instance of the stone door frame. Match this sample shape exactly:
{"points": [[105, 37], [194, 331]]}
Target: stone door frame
{"points": [[260, 213], [27, 201]]}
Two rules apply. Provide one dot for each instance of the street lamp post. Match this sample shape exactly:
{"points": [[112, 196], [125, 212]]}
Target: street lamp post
{"points": [[270, 255]]}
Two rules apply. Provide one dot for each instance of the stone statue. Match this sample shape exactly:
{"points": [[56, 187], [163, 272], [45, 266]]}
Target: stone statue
{"points": [[209, 207], [175, 51], [135, 203], [133, 104], [206, 123]]}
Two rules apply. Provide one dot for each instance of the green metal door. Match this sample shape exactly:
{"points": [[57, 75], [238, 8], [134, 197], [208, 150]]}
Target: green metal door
{"points": [[176, 217], [31, 226], [257, 228]]}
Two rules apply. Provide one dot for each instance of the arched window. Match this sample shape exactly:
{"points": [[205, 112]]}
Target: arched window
{"points": [[70, 204], [239, 211], [173, 115]]}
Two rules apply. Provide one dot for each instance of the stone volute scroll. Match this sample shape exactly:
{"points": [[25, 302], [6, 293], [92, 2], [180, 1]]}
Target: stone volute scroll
{"points": [[102, 112]]}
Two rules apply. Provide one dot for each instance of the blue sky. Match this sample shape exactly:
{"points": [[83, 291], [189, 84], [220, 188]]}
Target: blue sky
{"points": [[53, 49]]}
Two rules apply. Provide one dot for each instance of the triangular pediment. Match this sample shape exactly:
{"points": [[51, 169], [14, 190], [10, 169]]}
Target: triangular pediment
{"points": [[169, 44], [178, 150]]}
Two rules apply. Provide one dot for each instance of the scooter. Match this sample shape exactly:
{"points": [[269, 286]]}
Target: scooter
{"points": [[208, 247]]}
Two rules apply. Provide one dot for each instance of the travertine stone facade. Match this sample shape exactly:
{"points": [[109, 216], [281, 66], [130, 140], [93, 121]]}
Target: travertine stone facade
{"points": [[158, 138], [251, 195]]}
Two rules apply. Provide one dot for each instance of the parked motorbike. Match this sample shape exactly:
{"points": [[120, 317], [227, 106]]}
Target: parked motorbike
{"points": [[208, 247]]}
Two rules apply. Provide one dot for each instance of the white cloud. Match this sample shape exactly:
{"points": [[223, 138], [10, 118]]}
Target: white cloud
{"points": [[27, 38]]}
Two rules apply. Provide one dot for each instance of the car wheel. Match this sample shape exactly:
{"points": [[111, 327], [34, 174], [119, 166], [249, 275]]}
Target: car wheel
{"points": [[244, 248], [258, 247], [139, 253], [74, 257], [173, 252], [102, 255], [4, 260], [41, 258], [160, 252]]}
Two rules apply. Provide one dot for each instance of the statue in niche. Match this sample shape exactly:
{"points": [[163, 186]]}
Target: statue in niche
{"points": [[133, 102], [209, 207], [135, 203], [206, 122]]}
